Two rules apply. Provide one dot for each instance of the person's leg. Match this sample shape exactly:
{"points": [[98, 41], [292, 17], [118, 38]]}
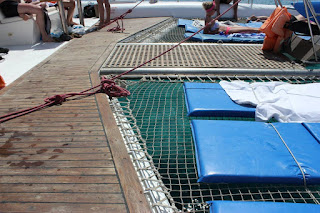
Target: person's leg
{"points": [[43, 5], [36, 9], [101, 12], [107, 5], [240, 29], [217, 6], [235, 10], [70, 6]]}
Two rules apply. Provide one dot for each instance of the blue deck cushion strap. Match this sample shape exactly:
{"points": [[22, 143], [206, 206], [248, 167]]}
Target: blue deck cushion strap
{"points": [[292, 155], [210, 99], [314, 129], [261, 207], [253, 152]]}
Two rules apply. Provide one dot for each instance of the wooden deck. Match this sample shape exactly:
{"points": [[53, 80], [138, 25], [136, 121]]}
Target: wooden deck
{"points": [[67, 158]]}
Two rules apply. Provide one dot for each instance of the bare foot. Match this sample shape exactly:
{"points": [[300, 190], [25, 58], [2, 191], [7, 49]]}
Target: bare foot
{"points": [[47, 39], [72, 23], [25, 16], [107, 21], [100, 25]]}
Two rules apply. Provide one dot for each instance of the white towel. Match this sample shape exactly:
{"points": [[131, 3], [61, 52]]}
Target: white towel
{"points": [[282, 101]]}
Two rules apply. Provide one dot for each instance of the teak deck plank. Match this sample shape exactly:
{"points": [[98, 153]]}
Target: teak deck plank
{"points": [[67, 158], [62, 207]]}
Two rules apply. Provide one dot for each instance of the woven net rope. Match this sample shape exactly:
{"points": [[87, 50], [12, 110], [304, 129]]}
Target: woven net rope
{"points": [[154, 124]]}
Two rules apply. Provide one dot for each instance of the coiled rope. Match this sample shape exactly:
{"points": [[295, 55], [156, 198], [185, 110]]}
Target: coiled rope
{"points": [[107, 86], [121, 17]]}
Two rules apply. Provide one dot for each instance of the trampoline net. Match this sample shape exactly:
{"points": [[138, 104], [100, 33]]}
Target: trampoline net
{"points": [[165, 32], [156, 114]]}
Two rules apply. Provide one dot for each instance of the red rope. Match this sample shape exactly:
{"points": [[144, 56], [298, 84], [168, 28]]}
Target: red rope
{"points": [[107, 86], [186, 39], [121, 17]]}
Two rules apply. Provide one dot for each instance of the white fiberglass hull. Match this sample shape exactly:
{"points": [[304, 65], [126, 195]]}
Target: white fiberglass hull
{"points": [[187, 10]]}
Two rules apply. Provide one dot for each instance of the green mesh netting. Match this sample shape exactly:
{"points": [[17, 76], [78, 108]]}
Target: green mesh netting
{"points": [[158, 109]]}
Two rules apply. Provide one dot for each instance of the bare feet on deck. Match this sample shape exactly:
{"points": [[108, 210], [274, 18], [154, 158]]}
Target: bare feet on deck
{"points": [[72, 23], [106, 21], [99, 26], [25, 16], [47, 39]]}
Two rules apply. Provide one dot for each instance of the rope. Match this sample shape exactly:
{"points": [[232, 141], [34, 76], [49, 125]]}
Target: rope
{"points": [[294, 158], [121, 17], [186, 39], [107, 86]]}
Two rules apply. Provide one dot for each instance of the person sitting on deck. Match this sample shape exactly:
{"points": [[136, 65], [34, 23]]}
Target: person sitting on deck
{"points": [[11, 8], [69, 6], [216, 28]]}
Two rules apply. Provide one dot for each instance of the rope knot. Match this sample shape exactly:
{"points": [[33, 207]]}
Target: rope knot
{"points": [[129, 11], [56, 99], [110, 88]]}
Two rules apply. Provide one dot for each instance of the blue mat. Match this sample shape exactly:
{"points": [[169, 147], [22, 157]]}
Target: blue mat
{"points": [[314, 129], [299, 6], [190, 29], [183, 22], [210, 99], [251, 24], [261, 207], [253, 152], [208, 38], [223, 38], [196, 37]]}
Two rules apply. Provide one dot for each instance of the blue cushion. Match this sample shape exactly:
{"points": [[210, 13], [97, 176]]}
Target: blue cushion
{"points": [[208, 38], [190, 29], [247, 40], [210, 99], [251, 24], [261, 207], [196, 37], [299, 6], [314, 129], [183, 22], [252, 152]]}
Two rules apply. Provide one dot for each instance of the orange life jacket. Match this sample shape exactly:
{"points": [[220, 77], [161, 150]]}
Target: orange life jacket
{"points": [[273, 28]]}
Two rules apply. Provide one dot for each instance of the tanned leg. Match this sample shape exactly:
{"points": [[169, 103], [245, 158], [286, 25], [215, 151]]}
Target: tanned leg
{"points": [[107, 5], [235, 11], [217, 6], [239, 29], [101, 12], [70, 6], [35, 9]]}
